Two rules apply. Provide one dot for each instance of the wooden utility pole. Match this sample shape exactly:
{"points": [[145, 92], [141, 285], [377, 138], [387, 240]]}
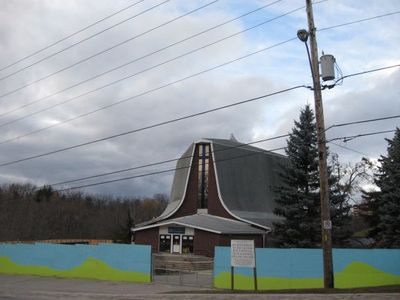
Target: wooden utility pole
{"points": [[323, 169]]}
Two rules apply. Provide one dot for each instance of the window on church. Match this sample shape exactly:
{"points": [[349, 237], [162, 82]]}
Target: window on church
{"points": [[204, 158]]}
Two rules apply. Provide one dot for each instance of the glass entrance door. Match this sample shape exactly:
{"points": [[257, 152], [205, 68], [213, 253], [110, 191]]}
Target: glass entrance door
{"points": [[165, 243], [187, 243], [176, 243]]}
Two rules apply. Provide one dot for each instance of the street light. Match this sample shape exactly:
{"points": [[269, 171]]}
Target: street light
{"points": [[302, 34]]}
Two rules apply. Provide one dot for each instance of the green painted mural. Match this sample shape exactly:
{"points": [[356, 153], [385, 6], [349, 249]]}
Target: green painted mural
{"points": [[103, 262], [359, 274], [302, 268], [91, 268], [242, 282]]}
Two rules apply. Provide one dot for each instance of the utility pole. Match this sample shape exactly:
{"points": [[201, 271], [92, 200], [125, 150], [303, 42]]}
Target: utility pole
{"points": [[323, 169]]}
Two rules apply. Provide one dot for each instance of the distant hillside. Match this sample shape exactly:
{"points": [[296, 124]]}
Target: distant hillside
{"points": [[29, 213]]}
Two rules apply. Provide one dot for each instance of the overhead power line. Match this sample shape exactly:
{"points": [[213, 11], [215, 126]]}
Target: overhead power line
{"points": [[349, 149], [340, 79], [352, 137], [70, 35], [166, 170], [232, 147], [166, 85], [107, 49], [370, 71], [134, 37], [166, 161], [135, 60], [152, 126], [359, 21], [144, 70], [123, 179], [188, 166], [150, 68], [363, 121], [81, 41], [144, 93]]}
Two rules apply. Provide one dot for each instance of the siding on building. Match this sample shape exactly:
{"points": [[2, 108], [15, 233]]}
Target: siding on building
{"points": [[148, 237]]}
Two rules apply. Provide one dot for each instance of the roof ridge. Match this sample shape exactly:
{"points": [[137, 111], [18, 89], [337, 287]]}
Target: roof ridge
{"points": [[222, 218], [240, 145]]}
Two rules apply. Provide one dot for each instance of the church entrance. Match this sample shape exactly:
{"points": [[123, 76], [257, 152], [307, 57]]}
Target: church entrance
{"points": [[176, 243]]}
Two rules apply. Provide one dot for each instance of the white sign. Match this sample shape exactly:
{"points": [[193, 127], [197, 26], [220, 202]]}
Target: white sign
{"points": [[242, 253], [327, 224]]}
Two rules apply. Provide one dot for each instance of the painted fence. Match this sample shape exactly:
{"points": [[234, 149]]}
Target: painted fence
{"points": [[117, 262], [303, 268]]}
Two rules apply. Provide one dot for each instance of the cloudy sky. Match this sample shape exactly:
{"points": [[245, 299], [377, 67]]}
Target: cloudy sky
{"points": [[174, 66]]}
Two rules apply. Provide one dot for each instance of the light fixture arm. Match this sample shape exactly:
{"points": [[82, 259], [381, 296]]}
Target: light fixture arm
{"points": [[309, 61]]}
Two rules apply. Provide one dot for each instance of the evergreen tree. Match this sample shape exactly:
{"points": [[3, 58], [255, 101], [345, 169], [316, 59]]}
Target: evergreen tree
{"points": [[44, 194], [298, 199], [384, 205], [130, 224]]}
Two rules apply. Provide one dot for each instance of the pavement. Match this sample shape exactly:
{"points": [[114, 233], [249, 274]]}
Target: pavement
{"points": [[32, 287]]}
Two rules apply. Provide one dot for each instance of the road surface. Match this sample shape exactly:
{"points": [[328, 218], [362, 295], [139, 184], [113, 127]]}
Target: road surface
{"points": [[31, 287]]}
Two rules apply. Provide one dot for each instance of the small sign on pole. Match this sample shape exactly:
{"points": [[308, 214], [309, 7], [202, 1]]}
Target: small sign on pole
{"points": [[327, 224], [243, 255]]}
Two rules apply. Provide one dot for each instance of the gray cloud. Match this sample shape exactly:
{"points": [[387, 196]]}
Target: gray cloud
{"points": [[359, 98]]}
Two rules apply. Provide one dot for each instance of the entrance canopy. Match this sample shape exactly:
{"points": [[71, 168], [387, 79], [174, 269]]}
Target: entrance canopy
{"points": [[208, 223]]}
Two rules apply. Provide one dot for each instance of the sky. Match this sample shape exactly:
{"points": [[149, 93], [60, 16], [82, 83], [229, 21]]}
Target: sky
{"points": [[171, 59]]}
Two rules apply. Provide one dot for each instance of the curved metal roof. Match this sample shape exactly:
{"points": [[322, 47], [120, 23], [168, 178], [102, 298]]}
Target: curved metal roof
{"points": [[179, 186], [246, 177]]}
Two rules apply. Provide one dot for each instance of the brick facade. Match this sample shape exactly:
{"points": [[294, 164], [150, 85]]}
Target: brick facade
{"points": [[148, 237], [189, 205], [204, 241]]}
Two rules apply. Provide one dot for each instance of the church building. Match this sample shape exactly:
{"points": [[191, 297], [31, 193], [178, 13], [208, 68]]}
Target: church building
{"points": [[222, 190]]}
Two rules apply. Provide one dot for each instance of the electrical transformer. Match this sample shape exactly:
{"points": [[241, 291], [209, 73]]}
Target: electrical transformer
{"points": [[327, 67]]}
